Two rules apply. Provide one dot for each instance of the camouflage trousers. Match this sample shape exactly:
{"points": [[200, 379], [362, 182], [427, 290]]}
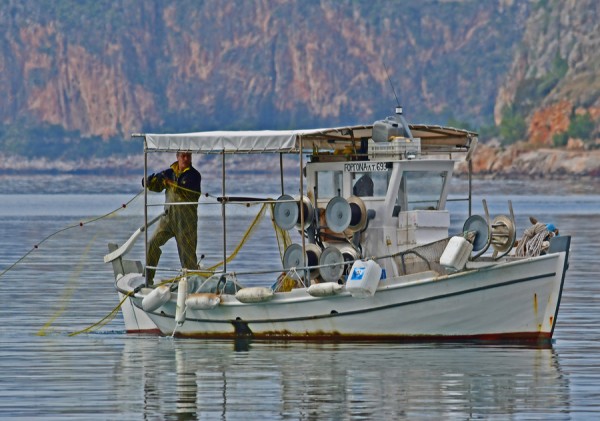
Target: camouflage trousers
{"points": [[186, 236]]}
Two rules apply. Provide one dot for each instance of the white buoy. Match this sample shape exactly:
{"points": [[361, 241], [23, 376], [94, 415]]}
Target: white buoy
{"points": [[181, 296], [158, 297]]}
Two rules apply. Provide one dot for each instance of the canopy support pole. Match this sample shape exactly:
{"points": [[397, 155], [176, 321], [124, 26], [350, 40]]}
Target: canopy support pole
{"points": [[281, 172], [223, 214], [145, 212], [301, 204]]}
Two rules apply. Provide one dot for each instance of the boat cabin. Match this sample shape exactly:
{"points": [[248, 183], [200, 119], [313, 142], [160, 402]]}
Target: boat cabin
{"points": [[404, 201], [401, 187]]}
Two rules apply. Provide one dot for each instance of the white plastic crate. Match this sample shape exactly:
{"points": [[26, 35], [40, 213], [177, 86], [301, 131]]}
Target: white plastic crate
{"points": [[397, 148]]}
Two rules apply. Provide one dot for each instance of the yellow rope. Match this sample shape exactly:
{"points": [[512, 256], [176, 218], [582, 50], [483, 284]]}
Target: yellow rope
{"points": [[243, 241], [282, 236], [283, 240], [105, 320]]}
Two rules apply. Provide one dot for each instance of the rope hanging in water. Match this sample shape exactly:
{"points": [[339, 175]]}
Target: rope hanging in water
{"points": [[68, 294], [282, 239], [105, 320], [283, 235]]}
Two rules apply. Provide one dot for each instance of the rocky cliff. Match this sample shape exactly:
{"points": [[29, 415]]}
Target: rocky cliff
{"points": [[108, 68], [526, 161], [555, 74], [77, 77]]}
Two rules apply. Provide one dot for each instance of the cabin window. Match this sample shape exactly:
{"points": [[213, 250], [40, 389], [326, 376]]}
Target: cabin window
{"points": [[329, 184], [421, 190], [369, 184]]}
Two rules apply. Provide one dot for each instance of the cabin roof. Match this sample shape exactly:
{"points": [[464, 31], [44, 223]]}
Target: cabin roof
{"points": [[434, 139]]}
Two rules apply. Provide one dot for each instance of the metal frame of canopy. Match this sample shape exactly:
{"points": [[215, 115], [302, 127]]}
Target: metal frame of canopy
{"points": [[435, 140]]}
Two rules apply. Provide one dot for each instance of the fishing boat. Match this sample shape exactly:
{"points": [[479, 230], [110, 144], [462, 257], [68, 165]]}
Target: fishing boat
{"points": [[373, 259]]}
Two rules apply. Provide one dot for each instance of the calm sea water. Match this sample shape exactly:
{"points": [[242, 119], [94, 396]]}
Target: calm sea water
{"points": [[63, 286]]}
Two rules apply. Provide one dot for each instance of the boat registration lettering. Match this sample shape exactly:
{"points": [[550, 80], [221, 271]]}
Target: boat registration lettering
{"points": [[365, 167]]}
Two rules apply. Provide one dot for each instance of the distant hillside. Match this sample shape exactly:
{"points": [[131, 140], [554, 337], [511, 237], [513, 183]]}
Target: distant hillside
{"points": [[79, 76], [102, 69]]}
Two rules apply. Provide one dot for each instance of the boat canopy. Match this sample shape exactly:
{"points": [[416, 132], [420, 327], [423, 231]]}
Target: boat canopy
{"points": [[434, 139]]}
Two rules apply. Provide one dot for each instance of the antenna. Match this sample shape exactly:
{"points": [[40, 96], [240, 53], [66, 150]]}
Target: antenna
{"points": [[391, 84]]}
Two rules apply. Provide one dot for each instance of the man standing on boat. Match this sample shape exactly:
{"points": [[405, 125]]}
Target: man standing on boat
{"points": [[181, 183]]}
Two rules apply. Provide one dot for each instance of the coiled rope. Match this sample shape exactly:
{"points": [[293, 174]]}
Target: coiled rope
{"points": [[532, 241]]}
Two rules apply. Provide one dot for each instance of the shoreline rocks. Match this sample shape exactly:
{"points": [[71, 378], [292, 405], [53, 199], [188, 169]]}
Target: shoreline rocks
{"points": [[519, 160]]}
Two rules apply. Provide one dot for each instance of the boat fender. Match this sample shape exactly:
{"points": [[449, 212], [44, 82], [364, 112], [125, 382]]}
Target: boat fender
{"points": [[325, 289], [182, 289], [202, 301], [254, 294], [158, 297]]}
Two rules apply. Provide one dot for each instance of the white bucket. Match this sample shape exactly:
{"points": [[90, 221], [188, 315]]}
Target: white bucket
{"points": [[363, 279]]}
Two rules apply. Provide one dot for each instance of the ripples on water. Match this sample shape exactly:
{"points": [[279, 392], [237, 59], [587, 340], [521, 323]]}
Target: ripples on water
{"points": [[63, 287]]}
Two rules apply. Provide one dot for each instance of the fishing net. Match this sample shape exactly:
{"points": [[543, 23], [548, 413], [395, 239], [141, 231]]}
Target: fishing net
{"points": [[421, 258]]}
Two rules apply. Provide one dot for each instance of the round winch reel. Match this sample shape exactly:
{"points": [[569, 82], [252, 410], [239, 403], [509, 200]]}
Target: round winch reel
{"points": [[501, 234], [342, 255], [293, 257], [331, 255], [338, 214], [358, 214], [480, 227], [287, 212], [350, 254], [504, 234]]}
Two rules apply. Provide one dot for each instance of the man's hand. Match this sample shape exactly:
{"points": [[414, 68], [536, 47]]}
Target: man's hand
{"points": [[154, 178]]}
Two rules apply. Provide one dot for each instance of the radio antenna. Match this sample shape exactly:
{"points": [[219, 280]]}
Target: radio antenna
{"points": [[391, 84]]}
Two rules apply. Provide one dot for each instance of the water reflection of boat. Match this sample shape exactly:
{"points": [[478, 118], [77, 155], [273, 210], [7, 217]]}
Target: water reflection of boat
{"points": [[343, 381], [374, 259]]}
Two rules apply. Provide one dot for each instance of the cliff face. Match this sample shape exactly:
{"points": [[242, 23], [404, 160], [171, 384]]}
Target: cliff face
{"points": [[79, 76], [556, 72], [109, 68]]}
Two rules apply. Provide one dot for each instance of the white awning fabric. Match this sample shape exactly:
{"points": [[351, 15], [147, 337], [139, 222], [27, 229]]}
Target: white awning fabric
{"points": [[289, 141], [284, 141]]}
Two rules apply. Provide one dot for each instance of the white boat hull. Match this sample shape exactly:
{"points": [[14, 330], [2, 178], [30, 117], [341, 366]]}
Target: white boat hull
{"points": [[513, 300], [134, 318]]}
